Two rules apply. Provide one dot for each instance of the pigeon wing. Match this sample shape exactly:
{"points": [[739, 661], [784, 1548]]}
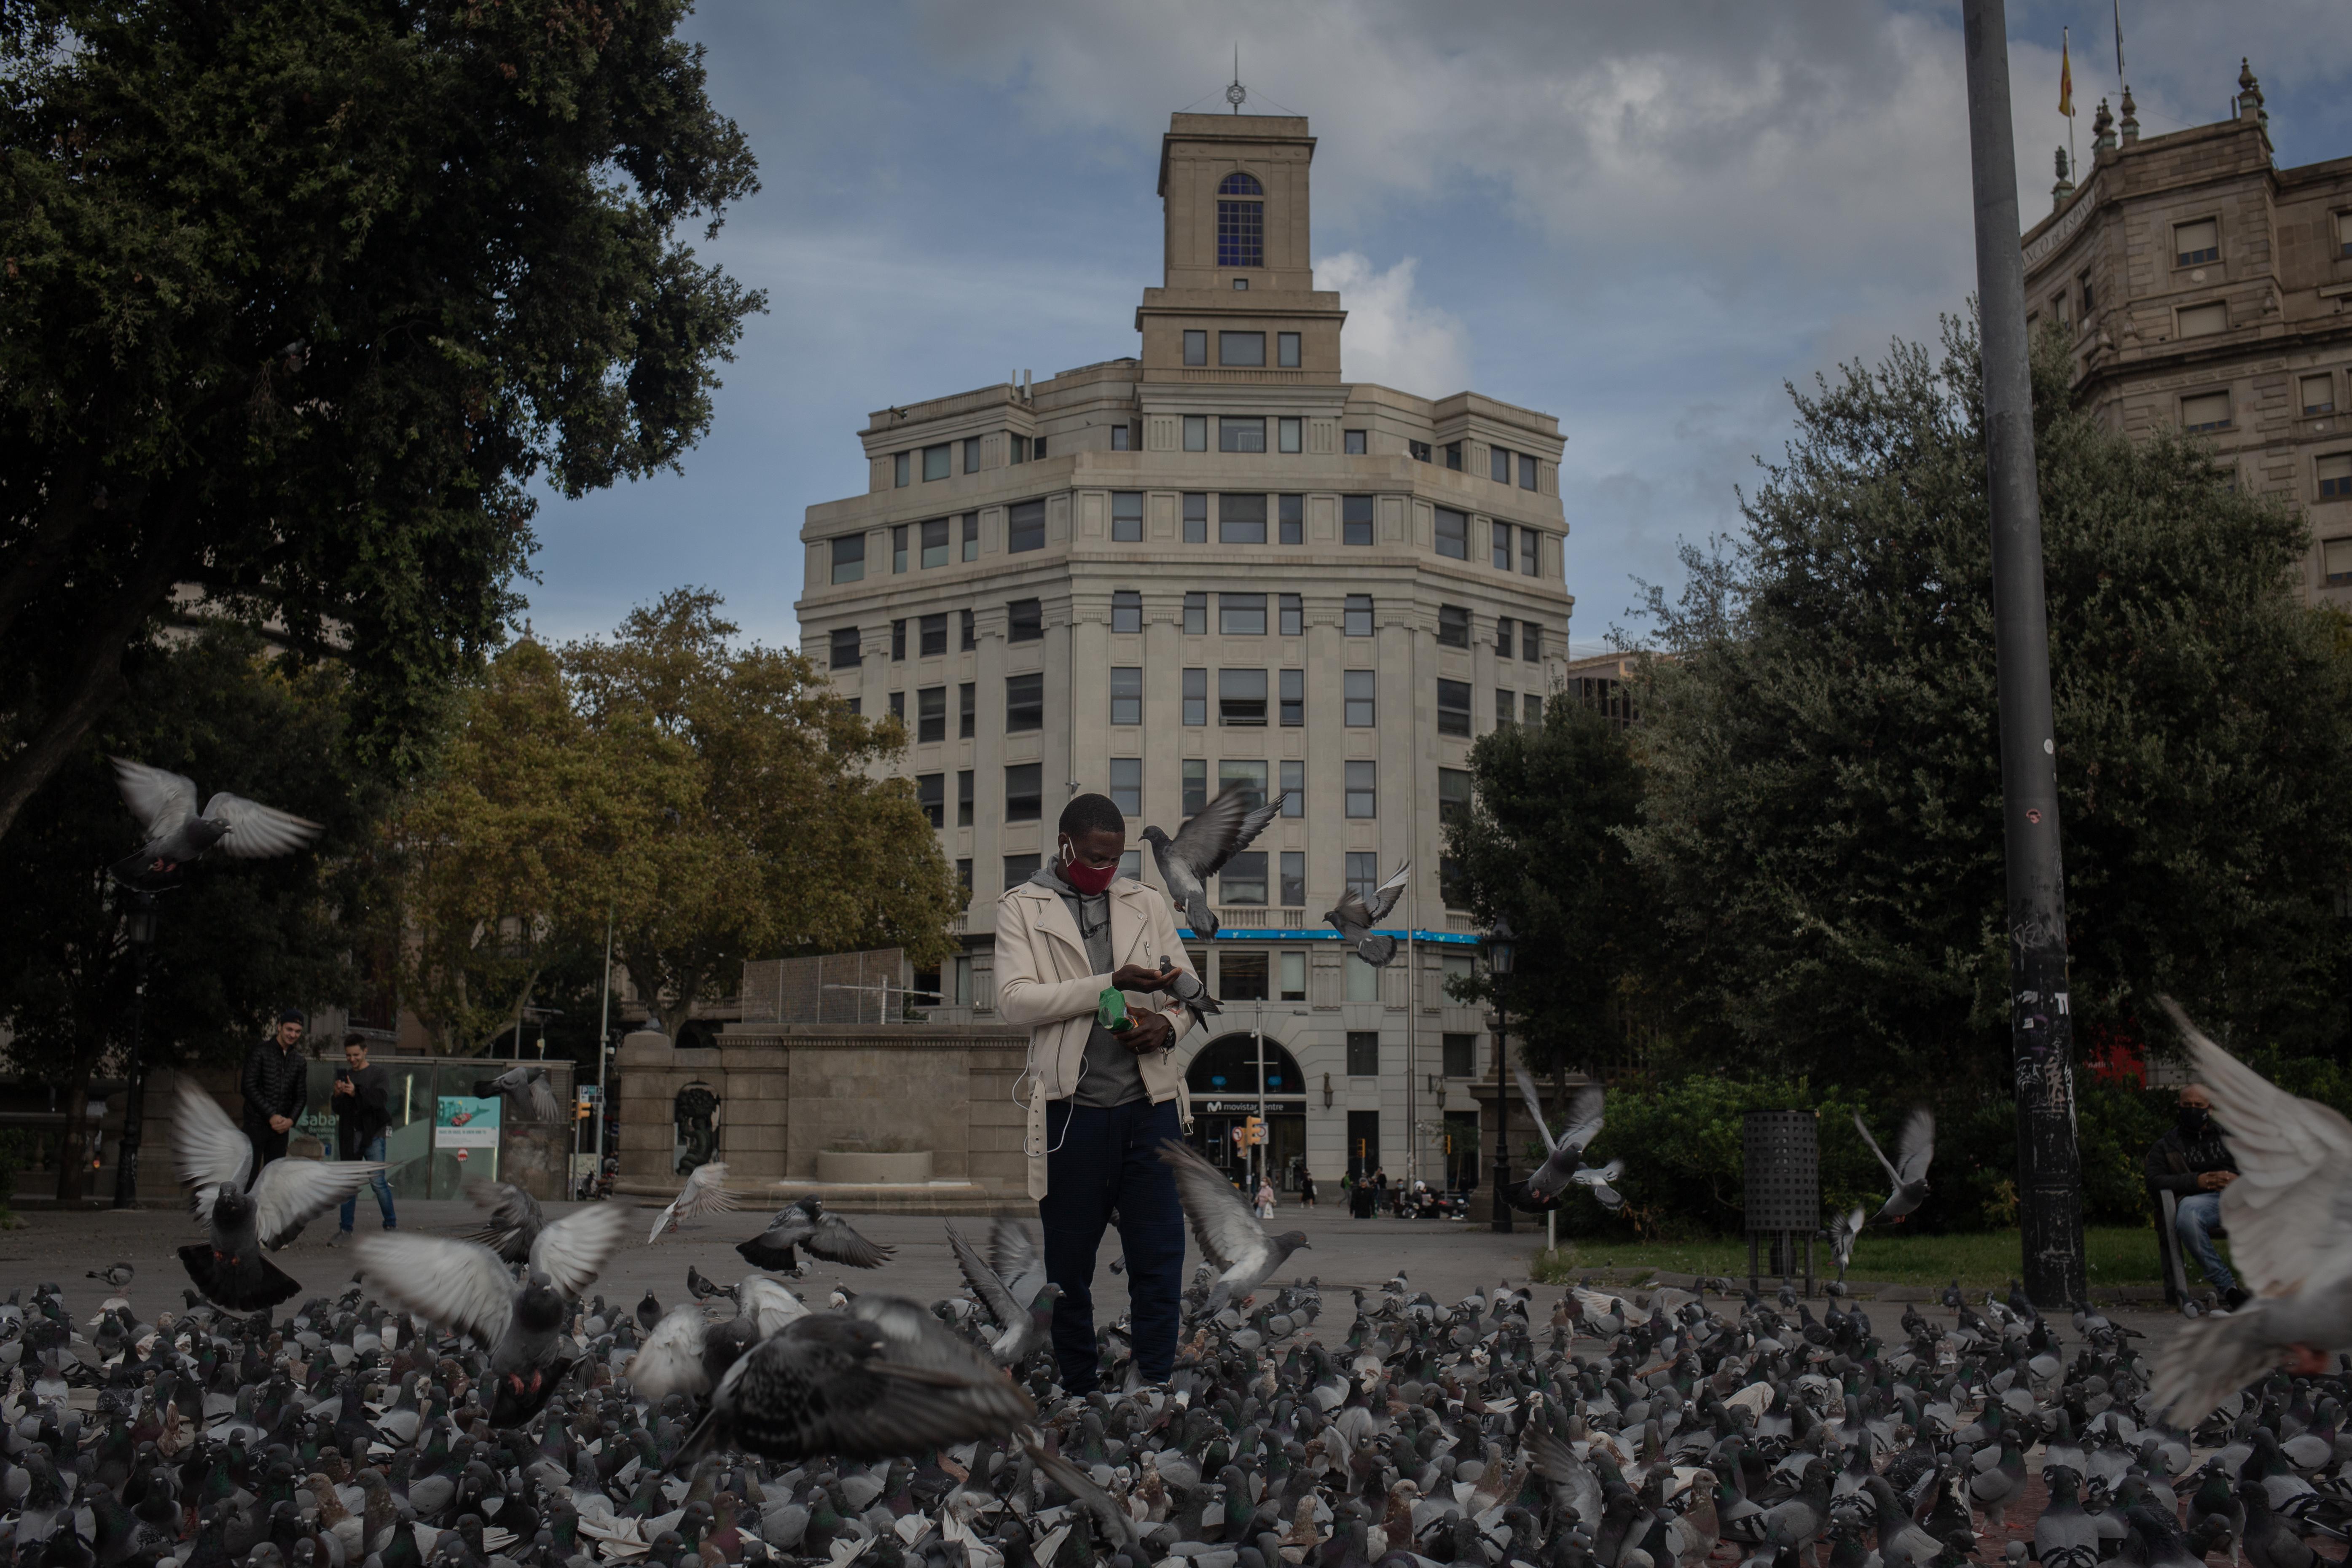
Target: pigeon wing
{"points": [[1097, 1502], [1584, 1119], [515, 1218], [706, 1192], [1535, 1106], [543, 1106], [2289, 1213], [1917, 1146], [771, 1306], [836, 1241], [159, 798], [258, 832], [670, 1360], [574, 1249], [1892, 1175], [1221, 1222], [1220, 829], [1385, 896], [209, 1149], [290, 1194], [987, 1289], [1013, 1253], [1352, 919], [457, 1284]]}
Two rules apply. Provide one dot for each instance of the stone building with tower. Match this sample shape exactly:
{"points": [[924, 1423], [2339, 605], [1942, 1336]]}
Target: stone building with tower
{"points": [[1216, 560], [2202, 288]]}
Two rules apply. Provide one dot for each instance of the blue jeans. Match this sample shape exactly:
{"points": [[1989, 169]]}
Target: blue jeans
{"points": [[1105, 1159], [373, 1150], [2196, 1217]]}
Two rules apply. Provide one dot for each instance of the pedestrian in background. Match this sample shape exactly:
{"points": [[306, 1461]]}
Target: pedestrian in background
{"points": [[362, 1100], [1306, 1189], [1266, 1198], [276, 1084]]}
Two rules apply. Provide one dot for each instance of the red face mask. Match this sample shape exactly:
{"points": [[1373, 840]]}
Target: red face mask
{"points": [[1088, 880]]}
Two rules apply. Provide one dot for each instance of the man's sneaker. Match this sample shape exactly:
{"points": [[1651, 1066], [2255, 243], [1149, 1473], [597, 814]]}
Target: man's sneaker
{"points": [[336, 1238], [2234, 1298]]}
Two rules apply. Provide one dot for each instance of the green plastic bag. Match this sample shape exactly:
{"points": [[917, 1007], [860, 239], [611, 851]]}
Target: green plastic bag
{"points": [[1110, 1011]]}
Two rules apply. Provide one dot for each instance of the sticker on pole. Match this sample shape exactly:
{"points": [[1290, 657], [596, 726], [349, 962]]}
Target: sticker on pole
{"points": [[461, 1123]]}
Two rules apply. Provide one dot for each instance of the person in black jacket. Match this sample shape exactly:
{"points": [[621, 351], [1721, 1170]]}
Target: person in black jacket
{"points": [[276, 1086], [2193, 1162], [363, 1115]]}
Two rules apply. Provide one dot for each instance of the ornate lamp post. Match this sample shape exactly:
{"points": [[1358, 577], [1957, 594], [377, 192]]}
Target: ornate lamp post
{"points": [[1501, 946]]}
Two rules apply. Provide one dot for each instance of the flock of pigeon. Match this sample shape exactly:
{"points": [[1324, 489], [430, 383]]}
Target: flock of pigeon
{"points": [[473, 1402]]}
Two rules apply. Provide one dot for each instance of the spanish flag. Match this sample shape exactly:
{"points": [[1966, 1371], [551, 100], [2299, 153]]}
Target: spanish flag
{"points": [[2065, 79]]}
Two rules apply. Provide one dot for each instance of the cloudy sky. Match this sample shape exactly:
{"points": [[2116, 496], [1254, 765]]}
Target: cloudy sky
{"points": [[1642, 218]]}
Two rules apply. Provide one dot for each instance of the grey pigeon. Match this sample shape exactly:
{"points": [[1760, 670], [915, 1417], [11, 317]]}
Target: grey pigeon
{"points": [[1842, 1233], [1228, 1232], [1595, 1179], [1188, 989], [703, 1192], [466, 1287], [166, 804], [1907, 1177], [1013, 1289], [1219, 831], [117, 1275], [882, 1378], [687, 1354], [806, 1225], [515, 1218], [215, 1160], [2290, 1237], [1357, 915], [525, 1088], [1583, 1125]]}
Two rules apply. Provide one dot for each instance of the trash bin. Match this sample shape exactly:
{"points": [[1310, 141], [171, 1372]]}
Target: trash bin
{"points": [[1784, 1188]]}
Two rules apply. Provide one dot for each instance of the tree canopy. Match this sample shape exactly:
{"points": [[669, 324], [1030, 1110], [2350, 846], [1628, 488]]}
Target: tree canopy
{"points": [[1820, 829], [298, 298]]}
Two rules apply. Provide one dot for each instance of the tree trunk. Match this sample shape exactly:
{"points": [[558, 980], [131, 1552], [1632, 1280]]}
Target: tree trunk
{"points": [[73, 1166]]}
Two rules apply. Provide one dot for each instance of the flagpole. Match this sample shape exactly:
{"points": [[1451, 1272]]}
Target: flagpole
{"points": [[2065, 56]]}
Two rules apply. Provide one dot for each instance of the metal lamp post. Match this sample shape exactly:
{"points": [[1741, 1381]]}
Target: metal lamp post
{"points": [[1501, 945], [140, 929]]}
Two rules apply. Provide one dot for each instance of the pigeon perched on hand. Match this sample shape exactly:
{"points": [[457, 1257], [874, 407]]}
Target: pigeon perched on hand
{"points": [[1011, 1285], [1357, 915], [214, 1159], [881, 1379], [1218, 832], [466, 1287], [1908, 1178], [1560, 1166], [166, 804], [704, 1192], [1188, 989], [826, 1236], [525, 1088], [515, 1218], [1227, 1231]]}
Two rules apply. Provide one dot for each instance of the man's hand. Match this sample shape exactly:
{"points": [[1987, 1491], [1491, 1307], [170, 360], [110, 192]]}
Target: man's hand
{"points": [[279, 1123], [1152, 1032], [342, 1086], [2214, 1181], [1135, 977]]}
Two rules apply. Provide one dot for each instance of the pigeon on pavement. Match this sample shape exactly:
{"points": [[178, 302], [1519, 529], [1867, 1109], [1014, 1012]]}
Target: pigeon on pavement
{"points": [[1357, 915], [1220, 830], [166, 804], [1227, 1231], [884, 1377], [805, 1223], [214, 1159], [687, 1354], [704, 1192], [118, 1274], [2290, 1239], [525, 1088], [1560, 1166], [515, 1218], [1907, 1178], [1012, 1289]]}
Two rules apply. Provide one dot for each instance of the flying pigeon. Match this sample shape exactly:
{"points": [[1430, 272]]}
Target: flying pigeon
{"points": [[1229, 1233], [214, 1159], [1188, 989], [466, 1287], [1357, 915], [687, 1354], [1011, 1285], [882, 1378], [1909, 1179], [1560, 1166], [527, 1088], [704, 1192], [166, 804], [2290, 1238], [515, 1218], [1842, 1233], [1219, 831], [1595, 1179], [826, 1236]]}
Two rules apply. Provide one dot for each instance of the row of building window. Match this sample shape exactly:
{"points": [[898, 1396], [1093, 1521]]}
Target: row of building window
{"points": [[1238, 614], [1242, 351], [1024, 794], [1245, 701], [938, 461]]}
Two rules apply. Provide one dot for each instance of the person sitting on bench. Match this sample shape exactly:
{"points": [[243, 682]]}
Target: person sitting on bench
{"points": [[2191, 1161]]}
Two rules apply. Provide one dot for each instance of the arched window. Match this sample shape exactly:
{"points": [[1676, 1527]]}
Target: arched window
{"points": [[1228, 1066], [1241, 225]]}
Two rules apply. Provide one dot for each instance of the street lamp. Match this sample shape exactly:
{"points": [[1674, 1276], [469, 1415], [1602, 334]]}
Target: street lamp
{"points": [[1501, 945]]}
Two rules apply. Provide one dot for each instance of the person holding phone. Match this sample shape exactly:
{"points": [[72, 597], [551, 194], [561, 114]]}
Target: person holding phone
{"points": [[362, 1100]]}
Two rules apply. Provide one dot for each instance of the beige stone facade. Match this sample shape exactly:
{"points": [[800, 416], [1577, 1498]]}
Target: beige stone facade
{"points": [[2205, 288], [1215, 560]]}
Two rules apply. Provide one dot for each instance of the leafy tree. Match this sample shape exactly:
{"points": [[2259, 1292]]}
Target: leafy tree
{"points": [[1822, 825], [783, 842], [238, 939], [298, 299], [1542, 846]]}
